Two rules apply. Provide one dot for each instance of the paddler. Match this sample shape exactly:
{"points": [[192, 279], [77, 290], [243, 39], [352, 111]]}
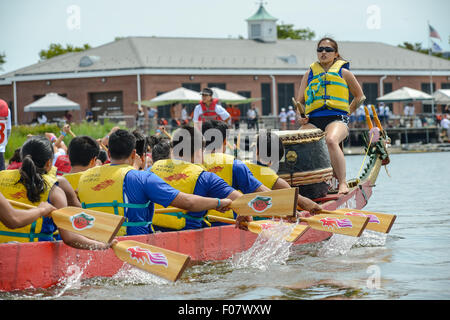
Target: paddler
{"points": [[262, 170], [118, 188], [83, 152], [32, 184], [231, 170], [185, 173], [324, 90]]}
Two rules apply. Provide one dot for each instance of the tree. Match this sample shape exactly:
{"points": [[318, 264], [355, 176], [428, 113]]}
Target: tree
{"points": [[287, 31], [418, 48], [2, 60], [56, 49]]}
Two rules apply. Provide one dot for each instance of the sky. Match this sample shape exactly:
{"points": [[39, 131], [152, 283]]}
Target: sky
{"points": [[28, 26]]}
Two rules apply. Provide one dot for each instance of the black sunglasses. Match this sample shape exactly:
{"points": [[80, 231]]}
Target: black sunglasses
{"points": [[326, 49]]}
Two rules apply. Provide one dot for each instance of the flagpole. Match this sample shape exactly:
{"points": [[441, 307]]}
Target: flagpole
{"points": [[431, 69]]}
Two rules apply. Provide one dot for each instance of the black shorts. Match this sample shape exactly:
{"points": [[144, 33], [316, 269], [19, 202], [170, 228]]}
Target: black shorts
{"points": [[322, 122]]}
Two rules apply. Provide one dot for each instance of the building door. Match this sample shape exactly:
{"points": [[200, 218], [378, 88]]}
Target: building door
{"points": [[266, 99], [285, 95], [106, 103]]}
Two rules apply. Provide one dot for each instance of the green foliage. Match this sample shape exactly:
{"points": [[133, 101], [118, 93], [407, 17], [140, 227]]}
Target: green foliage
{"points": [[56, 49], [418, 48], [285, 31], [19, 133], [2, 60]]}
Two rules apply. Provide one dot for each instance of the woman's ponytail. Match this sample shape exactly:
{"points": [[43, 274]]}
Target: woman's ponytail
{"points": [[35, 153]]}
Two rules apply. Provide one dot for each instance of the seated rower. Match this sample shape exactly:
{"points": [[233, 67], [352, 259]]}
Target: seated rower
{"points": [[231, 170], [83, 152], [181, 173], [264, 173], [32, 184], [118, 188]]}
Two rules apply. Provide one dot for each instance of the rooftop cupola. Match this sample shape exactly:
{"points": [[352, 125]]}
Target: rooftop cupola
{"points": [[262, 26]]}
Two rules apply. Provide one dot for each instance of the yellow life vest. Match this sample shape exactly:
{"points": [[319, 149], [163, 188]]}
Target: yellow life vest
{"points": [[222, 165], [182, 176], [102, 188], [266, 175], [327, 89], [73, 179], [17, 191]]}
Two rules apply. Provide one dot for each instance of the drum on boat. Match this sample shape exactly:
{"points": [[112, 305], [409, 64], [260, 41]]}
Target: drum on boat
{"points": [[306, 163]]}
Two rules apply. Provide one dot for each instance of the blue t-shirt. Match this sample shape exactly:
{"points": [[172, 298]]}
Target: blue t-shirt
{"points": [[243, 178], [141, 187], [208, 185]]}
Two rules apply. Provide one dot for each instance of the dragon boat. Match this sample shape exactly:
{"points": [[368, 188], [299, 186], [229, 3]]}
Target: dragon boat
{"points": [[45, 264]]}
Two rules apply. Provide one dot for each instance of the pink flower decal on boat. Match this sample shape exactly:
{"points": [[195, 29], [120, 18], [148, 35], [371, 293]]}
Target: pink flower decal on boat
{"points": [[372, 218], [336, 223], [144, 256]]}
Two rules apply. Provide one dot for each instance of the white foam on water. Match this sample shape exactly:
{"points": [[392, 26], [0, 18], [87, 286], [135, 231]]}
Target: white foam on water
{"points": [[340, 244], [269, 248], [130, 275]]}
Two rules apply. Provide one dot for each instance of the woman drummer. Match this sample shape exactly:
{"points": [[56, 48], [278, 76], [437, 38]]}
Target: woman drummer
{"points": [[324, 90]]}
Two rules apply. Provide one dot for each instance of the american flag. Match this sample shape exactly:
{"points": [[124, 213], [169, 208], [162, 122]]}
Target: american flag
{"points": [[433, 33]]}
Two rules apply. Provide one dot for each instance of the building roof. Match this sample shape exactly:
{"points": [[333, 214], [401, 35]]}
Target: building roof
{"points": [[166, 55], [261, 14]]}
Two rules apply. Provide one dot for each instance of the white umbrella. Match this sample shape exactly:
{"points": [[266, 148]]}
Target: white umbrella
{"points": [[405, 94], [180, 95], [230, 97], [52, 102], [441, 96]]}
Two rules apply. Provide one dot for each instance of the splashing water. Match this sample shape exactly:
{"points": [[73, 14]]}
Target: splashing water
{"points": [[269, 248], [73, 281], [340, 244], [130, 275]]}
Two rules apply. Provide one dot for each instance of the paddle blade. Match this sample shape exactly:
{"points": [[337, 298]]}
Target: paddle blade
{"points": [[380, 222], [293, 236], [275, 203], [92, 224], [164, 263], [348, 225]]}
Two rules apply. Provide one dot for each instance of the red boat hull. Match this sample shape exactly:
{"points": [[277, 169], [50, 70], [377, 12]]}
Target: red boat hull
{"points": [[44, 264]]}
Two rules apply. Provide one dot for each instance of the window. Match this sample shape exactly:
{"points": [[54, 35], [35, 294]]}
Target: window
{"points": [[370, 90], [387, 88], [445, 85], [195, 87], [285, 94], [425, 87], [244, 107], [222, 86], [163, 111], [106, 102], [255, 30], [266, 99]]}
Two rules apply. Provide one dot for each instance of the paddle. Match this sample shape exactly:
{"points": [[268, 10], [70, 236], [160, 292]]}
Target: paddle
{"points": [[377, 121], [164, 263], [274, 203], [260, 225], [92, 224], [348, 225], [369, 122], [380, 222], [300, 107]]}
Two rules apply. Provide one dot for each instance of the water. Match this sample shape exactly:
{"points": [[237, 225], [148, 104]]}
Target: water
{"points": [[411, 262]]}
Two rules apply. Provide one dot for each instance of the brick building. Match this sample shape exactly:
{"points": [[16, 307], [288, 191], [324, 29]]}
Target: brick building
{"points": [[116, 75]]}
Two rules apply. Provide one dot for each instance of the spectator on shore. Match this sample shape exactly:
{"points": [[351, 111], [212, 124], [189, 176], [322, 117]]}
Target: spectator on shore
{"points": [[41, 118], [292, 117], [283, 119]]}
